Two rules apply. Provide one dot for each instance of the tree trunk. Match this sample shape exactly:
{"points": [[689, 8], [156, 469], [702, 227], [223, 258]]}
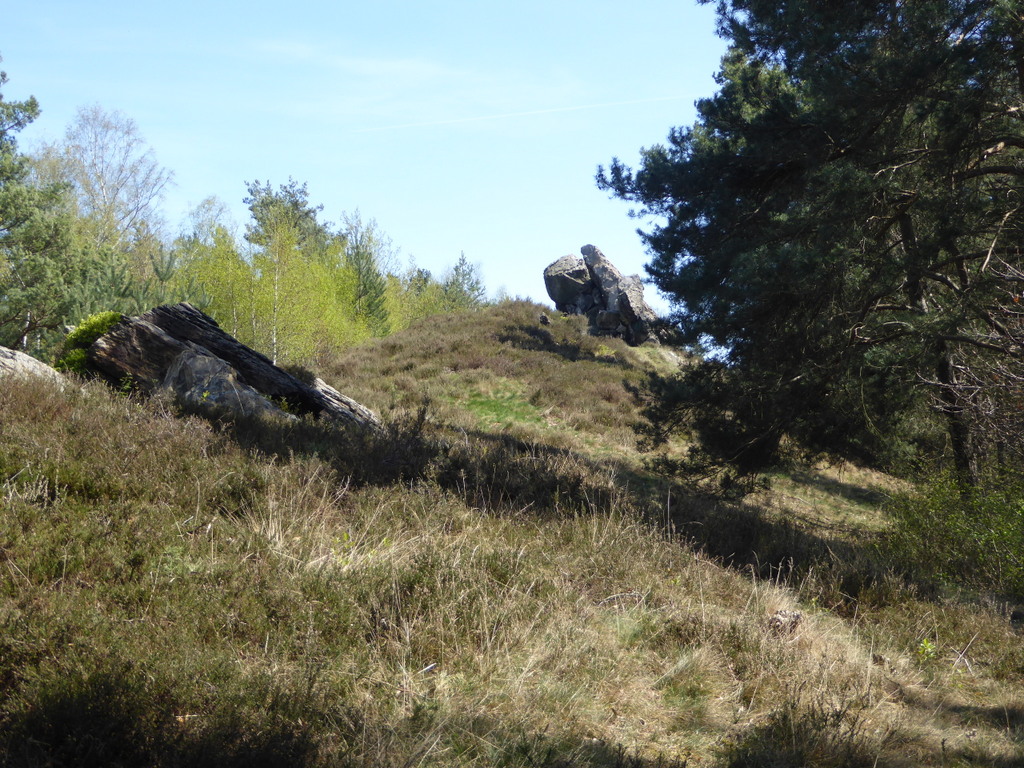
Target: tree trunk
{"points": [[966, 458]]}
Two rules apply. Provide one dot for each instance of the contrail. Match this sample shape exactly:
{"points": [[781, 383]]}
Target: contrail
{"points": [[505, 115]]}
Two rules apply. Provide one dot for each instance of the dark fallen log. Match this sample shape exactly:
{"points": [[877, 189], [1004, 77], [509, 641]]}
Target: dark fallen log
{"points": [[143, 348]]}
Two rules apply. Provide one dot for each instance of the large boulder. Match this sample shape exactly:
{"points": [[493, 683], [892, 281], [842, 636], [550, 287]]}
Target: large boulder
{"points": [[17, 364], [636, 312], [145, 349], [565, 280], [592, 286]]}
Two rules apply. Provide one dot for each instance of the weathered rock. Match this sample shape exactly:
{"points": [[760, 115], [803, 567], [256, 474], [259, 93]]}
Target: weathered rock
{"points": [[144, 348], [565, 280], [636, 312], [204, 382], [137, 351], [604, 275], [632, 304], [15, 363], [593, 286]]}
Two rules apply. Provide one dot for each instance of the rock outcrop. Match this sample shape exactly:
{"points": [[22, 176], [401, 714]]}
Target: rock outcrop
{"points": [[592, 286], [202, 381], [15, 363], [179, 349]]}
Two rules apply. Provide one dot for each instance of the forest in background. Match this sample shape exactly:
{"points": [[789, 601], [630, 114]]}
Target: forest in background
{"points": [[82, 232]]}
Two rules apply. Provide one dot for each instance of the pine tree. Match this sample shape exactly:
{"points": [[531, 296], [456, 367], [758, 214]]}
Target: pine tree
{"points": [[367, 252], [41, 276], [462, 287], [841, 224]]}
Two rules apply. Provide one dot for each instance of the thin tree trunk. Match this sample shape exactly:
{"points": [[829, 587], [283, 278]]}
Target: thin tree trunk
{"points": [[962, 438]]}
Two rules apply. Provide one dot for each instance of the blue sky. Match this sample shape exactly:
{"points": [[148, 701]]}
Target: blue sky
{"points": [[459, 126]]}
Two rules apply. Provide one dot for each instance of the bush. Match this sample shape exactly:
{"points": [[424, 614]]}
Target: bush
{"points": [[972, 536], [72, 358]]}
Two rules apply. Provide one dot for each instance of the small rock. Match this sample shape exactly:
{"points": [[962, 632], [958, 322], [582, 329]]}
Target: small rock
{"points": [[785, 622]]}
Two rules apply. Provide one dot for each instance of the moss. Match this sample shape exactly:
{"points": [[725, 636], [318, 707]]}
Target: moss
{"points": [[72, 358]]}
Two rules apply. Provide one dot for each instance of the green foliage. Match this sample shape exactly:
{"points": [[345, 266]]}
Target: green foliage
{"points": [[367, 253], [114, 183], [416, 293], [301, 289], [77, 228], [73, 361], [839, 228], [970, 536], [36, 274], [411, 296], [211, 260], [462, 287], [73, 351], [90, 329], [286, 296], [287, 207]]}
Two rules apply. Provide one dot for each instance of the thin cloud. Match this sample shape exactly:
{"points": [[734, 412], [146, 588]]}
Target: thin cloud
{"points": [[507, 115], [409, 69]]}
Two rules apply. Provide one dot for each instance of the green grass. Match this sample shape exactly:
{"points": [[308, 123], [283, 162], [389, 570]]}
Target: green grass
{"points": [[495, 582]]}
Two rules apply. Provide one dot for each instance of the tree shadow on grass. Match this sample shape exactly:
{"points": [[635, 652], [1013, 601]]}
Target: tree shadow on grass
{"points": [[506, 474], [858, 494], [536, 338], [487, 740], [121, 716], [118, 716]]}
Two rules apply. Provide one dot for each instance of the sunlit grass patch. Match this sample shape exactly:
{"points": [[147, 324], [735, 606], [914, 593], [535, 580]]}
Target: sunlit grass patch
{"points": [[501, 404]]}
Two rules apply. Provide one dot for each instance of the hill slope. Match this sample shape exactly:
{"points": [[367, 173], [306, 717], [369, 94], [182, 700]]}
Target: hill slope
{"points": [[498, 583]]}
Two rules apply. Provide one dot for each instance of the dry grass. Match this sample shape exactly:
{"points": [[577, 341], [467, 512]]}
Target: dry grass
{"points": [[502, 593]]}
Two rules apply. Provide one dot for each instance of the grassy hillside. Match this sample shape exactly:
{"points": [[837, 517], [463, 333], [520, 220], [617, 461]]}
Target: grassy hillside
{"points": [[495, 582]]}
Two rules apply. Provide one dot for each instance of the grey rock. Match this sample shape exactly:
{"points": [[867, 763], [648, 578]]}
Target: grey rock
{"points": [[608, 320], [636, 312], [200, 380], [143, 349], [632, 304], [565, 280], [604, 275], [17, 364], [593, 286]]}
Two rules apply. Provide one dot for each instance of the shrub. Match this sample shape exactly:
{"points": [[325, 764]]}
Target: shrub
{"points": [[72, 358], [972, 536]]}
